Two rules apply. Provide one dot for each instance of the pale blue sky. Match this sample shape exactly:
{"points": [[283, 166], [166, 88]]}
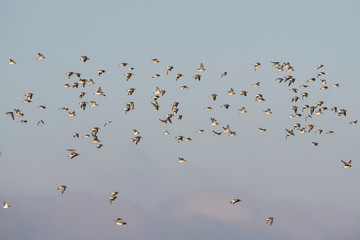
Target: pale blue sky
{"points": [[273, 176]]}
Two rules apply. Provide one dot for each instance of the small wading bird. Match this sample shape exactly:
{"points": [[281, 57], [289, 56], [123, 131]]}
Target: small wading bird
{"points": [[346, 164], [5, 205], [270, 220], [62, 188], [236, 200]]}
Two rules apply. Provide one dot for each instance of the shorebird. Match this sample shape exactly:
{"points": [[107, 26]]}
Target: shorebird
{"points": [[82, 94], [320, 66], [201, 69], [11, 114], [227, 129], [131, 91], [256, 84], [314, 143], [123, 64], [178, 76], [168, 69], [12, 62], [242, 110], [216, 133], [73, 153], [231, 92], [40, 122], [155, 75], [112, 199], [128, 76], [213, 96], [262, 129], [268, 111], [351, 123], [154, 60], [62, 188], [84, 58], [72, 114], [166, 133], [136, 132], [200, 131], [100, 72], [121, 223], [197, 76], [256, 65], [223, 74], [93, 104], [181, 160], [226, 106], [346, 164], [184, 87], [235, 200], [336, 85], [179, 138], [6, 205], [136, 139], [213, 122], [41, 57], [107, 123], [244, 93], [269, 220]]}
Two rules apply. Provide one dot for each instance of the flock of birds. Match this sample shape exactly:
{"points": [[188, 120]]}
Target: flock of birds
{"points": [[307, 111]]}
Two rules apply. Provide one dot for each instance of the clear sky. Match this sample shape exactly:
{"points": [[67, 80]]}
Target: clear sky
{"points": [[305, 188]]}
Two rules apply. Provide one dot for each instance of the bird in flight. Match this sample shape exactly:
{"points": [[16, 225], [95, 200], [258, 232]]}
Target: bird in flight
{"points": [[5, 205], [270, 220], [201, 69], [346, 164], [235, 200], [41, 57], [62, 188]]}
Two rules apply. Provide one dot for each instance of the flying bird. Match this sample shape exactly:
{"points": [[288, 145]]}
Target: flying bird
{"points": [[270, 220], [346, 164], [62, 188]]}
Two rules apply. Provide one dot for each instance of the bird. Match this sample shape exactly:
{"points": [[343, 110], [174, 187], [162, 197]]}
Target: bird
{"points": [[244, 93], [131, 91], [213, 122], [128, 76], [136, 132], [107, 123], [201, 69], [136, 139], [40, 122], [123, 64], [256, 65], [181, 160], [262, 129], [242, 110], [100, 72], [72, 114], [235, 200], [213, 96], [223, 74], [184, 87], [6, 205], [73, 153], [11, 114], [121, 223], [256, 84], [155, 75], [62, 188], [314, 143], [82, 94], [12, 62], [178, 76], [319, 66], [351, 123], [154, 60], [168, 69], [41, 57], [346, 164], [112, 199], [197, 76], [179, 138], [270, 220], [226, 106], [231, 92], [84, 58], [268, 111]]}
